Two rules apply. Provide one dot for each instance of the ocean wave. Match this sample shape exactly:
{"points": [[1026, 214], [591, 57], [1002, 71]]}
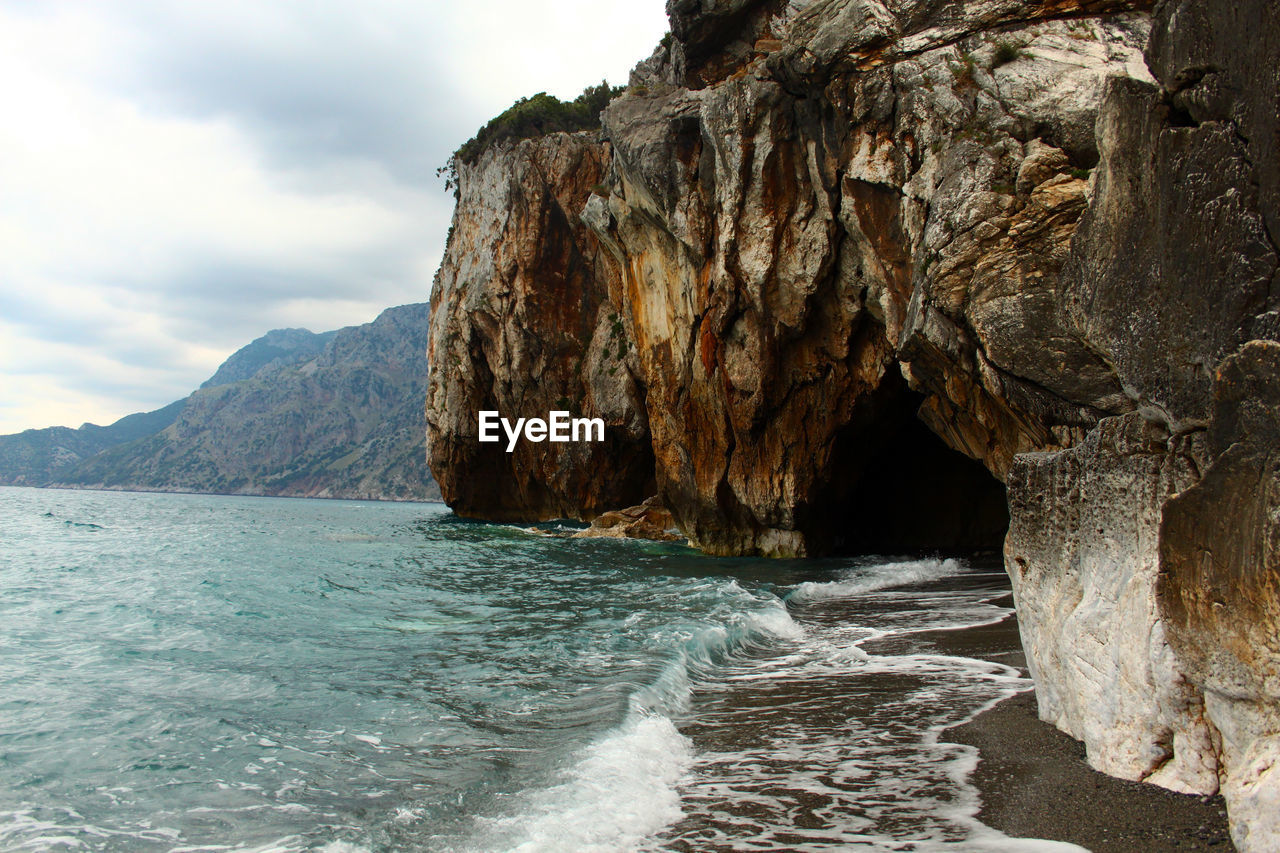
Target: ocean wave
{"points": [[621, 789], [744, 621], [32, 828], [872, 578], [850, 736], [962, 760]]}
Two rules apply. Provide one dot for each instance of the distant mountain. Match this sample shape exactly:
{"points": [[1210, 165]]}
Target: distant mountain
{"points": [[293, 413], [277, 348], [35, 457]]}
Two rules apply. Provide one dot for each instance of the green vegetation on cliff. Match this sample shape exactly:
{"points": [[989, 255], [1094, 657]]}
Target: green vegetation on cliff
{"points": [[531, 117], [539, 115]]}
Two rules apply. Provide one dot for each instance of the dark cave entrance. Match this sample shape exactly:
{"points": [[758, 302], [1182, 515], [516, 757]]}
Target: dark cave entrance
{"points": [[895, 487]]}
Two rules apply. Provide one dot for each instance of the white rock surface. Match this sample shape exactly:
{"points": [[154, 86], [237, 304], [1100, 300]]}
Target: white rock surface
{"points": [[1082, 553]]}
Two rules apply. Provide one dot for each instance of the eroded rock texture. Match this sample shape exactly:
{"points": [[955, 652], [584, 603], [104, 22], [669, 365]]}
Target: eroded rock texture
{"points": [[1083, 555], [1220, 587], [1173, 269], [810, 233], [649, 520], [814, 240], [523, 323], [866, 264]]}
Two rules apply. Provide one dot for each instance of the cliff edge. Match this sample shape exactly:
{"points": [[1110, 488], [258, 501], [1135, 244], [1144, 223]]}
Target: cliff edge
{"points": [[865, 275]]}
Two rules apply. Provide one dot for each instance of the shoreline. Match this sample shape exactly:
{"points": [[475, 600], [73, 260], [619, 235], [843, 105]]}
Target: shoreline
{"points": [[63, 487], [1033, 780]]}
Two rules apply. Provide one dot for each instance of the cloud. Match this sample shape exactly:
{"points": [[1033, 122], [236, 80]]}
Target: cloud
{"points": [[310, 82], [181, 177]]}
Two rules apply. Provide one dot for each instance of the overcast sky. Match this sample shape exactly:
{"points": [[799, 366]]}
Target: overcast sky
{"points": [[177, 178]]}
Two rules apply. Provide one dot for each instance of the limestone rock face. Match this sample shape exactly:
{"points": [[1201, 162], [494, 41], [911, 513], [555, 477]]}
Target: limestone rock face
{"points": [[808, 233], [523, 323], [1220, 586], [1172, 204], [1083, 555], [798, 265], [812, 226], [907, 274], [1173, 270]]}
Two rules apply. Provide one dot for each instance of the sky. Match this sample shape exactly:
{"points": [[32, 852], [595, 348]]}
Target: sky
{"points": [[178, 178]]}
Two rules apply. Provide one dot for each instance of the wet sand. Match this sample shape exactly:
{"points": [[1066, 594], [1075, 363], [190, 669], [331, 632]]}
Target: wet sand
{"points": [[1034, 782]]}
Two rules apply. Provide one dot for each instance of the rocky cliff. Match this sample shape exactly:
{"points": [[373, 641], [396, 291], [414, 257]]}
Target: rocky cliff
{"points": [[798, 251], [524, 321], [292, 413], [860, 275]]}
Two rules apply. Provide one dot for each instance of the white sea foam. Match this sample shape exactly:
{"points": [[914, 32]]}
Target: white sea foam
{"points": [[872, 578], [343, 847], [776, 622], [23, 829], [750, 621], [621, 789], [839, 738]]}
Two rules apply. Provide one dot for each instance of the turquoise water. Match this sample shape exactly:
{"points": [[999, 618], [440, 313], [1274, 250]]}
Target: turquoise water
{"points": [[186, 672]]}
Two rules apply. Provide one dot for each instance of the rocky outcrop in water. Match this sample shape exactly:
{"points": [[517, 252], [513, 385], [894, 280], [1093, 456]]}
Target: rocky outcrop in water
{"points": [[834, 241], [649, 520], [906, 274]]}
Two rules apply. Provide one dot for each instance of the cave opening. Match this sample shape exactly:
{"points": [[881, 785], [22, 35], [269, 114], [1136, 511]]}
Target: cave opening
{"points": [[896, 487]]}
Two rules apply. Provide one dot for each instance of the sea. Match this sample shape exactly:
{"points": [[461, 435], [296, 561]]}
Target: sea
{"points": [[206, 673]]}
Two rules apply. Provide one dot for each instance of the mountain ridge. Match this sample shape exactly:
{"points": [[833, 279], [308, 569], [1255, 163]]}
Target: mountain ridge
{"points": [[293, 414]]}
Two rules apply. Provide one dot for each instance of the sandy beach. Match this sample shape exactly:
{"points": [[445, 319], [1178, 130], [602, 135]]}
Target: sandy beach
{"points": [[1034, 781]]}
